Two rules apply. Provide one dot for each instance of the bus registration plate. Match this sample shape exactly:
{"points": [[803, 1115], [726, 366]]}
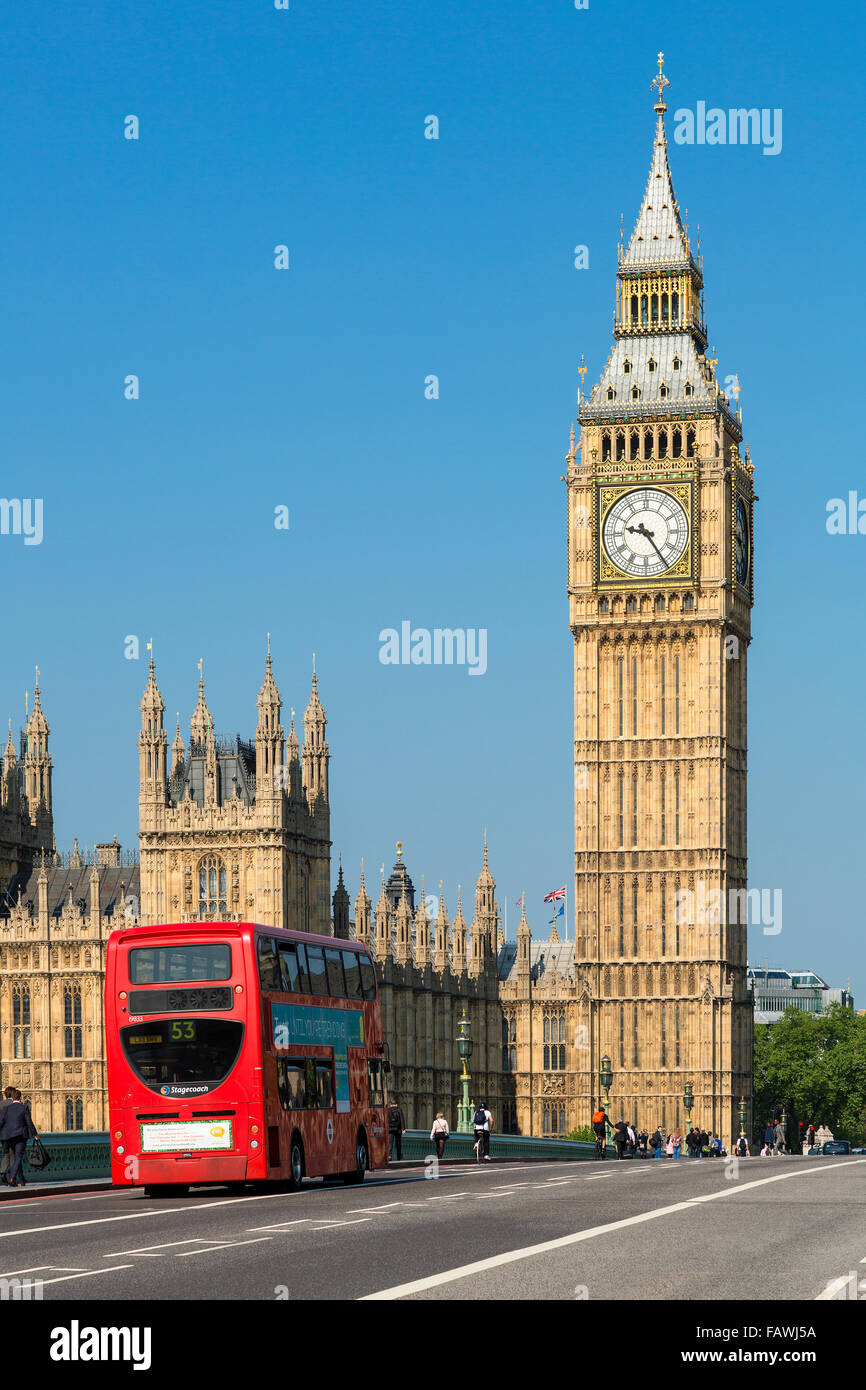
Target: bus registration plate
{"points": [[186, 1135]]}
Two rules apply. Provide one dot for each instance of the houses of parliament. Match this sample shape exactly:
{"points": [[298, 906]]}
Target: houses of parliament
{"points": [[660, 589]]}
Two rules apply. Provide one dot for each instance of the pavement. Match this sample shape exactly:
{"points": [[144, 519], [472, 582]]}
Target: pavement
{"points": [[709, 1230]]}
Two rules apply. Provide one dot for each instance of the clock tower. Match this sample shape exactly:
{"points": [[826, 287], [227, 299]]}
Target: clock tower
{"points": [[660, 585]]}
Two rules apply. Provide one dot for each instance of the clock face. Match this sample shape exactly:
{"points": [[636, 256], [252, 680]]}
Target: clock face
{"points": [[645, 532], [741, 543]]}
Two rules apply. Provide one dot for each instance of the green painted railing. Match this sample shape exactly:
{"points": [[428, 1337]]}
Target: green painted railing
{"points": [[85, 1155], [418, 1144], [73, 1155]]}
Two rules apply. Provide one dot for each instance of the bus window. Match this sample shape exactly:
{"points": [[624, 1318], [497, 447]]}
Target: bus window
{"points": [[324, 1086], [269, 965], [197, 1053], [353, 974], [376, 1080], [291, 1082], [368, 977], [289, 969], [160, 965], [334, 967], [316, 967], [303, 973]]}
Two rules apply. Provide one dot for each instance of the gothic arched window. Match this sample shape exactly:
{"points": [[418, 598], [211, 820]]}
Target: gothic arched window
{"points": [[211, 888], [21, 1021], [72, 1020]]}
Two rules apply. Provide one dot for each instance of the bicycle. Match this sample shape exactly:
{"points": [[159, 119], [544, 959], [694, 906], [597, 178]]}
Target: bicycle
{"points": [[599, 1146]]}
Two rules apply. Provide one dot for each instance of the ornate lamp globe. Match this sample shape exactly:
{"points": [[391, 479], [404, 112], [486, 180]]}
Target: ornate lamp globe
{"points": [[464, 1039], [605, 1076]]}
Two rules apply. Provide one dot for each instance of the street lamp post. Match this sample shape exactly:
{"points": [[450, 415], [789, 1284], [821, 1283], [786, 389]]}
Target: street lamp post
{"points": [[464, 1052], [688, 1101], [605, 1077], [741, 1116]]}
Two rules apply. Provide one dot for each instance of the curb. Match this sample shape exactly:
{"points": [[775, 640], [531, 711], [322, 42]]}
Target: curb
{"points": [[48, 1189]]}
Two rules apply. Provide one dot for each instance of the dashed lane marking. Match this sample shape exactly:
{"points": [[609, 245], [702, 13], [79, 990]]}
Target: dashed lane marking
{"points": [[213, 1249], [329, 1225], [87, 1275]]}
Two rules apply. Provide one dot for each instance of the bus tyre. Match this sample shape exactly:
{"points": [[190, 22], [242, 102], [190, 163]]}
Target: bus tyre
{"points": [[166, 1189], [296, 1161], [362, 1161]]}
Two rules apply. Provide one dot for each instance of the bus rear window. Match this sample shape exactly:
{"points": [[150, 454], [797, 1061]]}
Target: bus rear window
{"points": [[158, 965], [304, 1083]]}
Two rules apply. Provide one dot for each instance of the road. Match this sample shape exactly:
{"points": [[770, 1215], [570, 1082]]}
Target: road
{"points": [[778, 1229]]}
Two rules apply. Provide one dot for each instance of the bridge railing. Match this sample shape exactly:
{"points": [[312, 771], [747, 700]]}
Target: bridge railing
{"points": [[86, 1154]]}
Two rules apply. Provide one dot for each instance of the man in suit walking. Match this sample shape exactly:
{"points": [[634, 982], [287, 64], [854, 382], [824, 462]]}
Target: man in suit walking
{"points": [[16, 1127]]}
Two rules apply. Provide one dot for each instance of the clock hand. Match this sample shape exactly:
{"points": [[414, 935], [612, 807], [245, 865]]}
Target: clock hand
{"points": [[649, 535]]}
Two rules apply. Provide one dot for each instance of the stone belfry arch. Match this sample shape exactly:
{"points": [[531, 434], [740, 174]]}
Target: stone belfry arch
{"points": [[660, 583]]}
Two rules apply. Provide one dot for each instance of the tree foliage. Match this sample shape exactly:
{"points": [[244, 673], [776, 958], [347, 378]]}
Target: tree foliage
{"points": [[815, 1066]]}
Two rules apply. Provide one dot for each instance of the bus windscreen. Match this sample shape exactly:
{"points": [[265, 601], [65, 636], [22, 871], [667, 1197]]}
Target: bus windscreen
{"points": [[174, 1055]]}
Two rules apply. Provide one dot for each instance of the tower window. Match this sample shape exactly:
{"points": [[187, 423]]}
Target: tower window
{"points": [[644, 311], [620, 443], [676, 363], [211, 888], [605, 446], [675, 312], [691, 443], [688, 603], [634, 704], [663, 444], [660, 605], [678, 443], [664, 914], [620, 697], [621, 919], [621, 786], [604, 605], [626, 366], [664, 829], [630, 607], [662, 688], [610, 393], [654, 308], [72, 1020], [634, 445], [647, 444], [690, 390], [664, 308], [651, 366], [635, 393], [663, 392]]}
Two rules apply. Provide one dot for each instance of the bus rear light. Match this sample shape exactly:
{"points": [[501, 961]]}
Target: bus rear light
{"points": [[254, 1129], [120, 1149], [254, 1144], [118, 1134], [239, 989], [122, 994]]}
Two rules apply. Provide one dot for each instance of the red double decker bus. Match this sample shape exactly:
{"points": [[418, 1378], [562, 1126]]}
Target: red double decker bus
{"points": [[238, 1053]]}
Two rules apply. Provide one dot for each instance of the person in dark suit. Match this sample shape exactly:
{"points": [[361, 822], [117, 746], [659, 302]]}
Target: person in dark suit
{"points": [[16, 1127], [6, 1160]]}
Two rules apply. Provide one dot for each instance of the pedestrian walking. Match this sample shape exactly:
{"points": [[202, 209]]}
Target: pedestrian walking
{"points": [[669, 1146], [692, 1140], [778, 1138], [6, 1160], [657, 1143], [632, 1141], [677, 1142], [439, 1133], [620, 1138], [16, 1127], [642, 1141], [768, 1137], [703, 1144], [396, 1129], [742, 1147], [810, 1137]]}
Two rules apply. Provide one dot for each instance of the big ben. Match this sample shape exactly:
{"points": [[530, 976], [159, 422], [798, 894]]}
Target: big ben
{"points": [[661, 585]]}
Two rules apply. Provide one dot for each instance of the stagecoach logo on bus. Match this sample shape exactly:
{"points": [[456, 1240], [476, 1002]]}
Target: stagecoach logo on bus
{"points": [[184, 1090], [297, 1025]]}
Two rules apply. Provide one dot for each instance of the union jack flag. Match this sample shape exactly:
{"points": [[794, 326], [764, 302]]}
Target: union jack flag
{"points": [[553, 897]]}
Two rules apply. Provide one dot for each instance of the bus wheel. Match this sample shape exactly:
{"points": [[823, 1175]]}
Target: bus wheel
{"points": [[235, 1188], [296, 1161], [166, 1189], [362, 1161]]}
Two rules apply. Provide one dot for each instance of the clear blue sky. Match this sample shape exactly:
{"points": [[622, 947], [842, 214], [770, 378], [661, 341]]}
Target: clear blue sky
{"points": [[306, 388]]}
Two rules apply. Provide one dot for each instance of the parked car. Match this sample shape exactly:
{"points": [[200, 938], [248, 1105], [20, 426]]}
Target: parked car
{"points": [[858, 1151], [836, 1146]]}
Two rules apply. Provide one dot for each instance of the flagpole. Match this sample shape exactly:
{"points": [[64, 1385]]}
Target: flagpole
{"points": [[566, 910]]}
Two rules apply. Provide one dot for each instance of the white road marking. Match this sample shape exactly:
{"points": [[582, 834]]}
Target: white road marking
{"points": [[88, 1275], [494, 1196], [443, 1197], [213, 1249], [34, 1269], [147, 1249], [329, 1225], [562, 1242], [834, 1288], [595, 1177], [283, 1225]]}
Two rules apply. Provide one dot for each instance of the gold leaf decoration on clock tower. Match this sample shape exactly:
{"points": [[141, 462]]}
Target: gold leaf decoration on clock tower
{"points": [[660, 581]]}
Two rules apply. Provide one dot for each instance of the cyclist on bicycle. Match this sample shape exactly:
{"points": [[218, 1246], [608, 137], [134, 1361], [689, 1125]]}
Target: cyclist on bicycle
{"points": [[599, 1124]]}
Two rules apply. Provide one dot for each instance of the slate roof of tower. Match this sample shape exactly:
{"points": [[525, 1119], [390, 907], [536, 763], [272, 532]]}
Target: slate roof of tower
{"points": [[659, 234], [115, 882], [543, 956]]}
